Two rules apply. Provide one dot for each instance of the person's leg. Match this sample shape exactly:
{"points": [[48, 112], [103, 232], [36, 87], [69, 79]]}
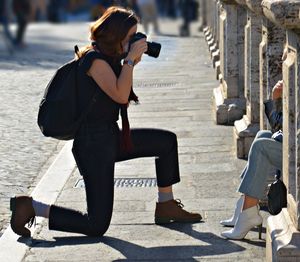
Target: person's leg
{"points": [[95, 158], [145, 17], [249, 202], [162, 145], [259, 134], [22, 23], [265, 154], [153, 14], [8, 39], [6, 29], [240, 203], [263, 134]]}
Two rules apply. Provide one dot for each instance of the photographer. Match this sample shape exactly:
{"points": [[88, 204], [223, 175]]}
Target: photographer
{"points": [[99, 143]]}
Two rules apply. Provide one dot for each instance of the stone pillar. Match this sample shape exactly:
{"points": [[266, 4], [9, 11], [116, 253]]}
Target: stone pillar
{"points": [[211, 21], [215, 52], [210, 10], [208, 32], [212, 35], [216, 20], [283, 230], [229, 102], [213, 44], [204, 14], [212, 13], [270, 63], [246, 128]]}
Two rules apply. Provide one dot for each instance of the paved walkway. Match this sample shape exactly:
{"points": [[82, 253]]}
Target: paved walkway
{"points": [[25, 154], [175, 92]]}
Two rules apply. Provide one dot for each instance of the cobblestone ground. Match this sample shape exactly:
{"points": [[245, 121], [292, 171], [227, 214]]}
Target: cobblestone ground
{"points": [[24, 153]]}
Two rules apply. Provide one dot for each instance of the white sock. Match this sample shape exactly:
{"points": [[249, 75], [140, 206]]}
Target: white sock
{"points": [[164, 197], [40, 209]]}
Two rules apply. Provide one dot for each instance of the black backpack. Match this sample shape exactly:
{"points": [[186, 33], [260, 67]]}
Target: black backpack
{"points": [[58, 115]]}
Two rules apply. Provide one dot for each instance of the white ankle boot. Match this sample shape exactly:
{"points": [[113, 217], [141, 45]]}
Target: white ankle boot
{"points": [[238, 209], [247, 219]]}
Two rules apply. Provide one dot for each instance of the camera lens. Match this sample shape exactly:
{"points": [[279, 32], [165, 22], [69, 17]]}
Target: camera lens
{"points": [[153, 49]]}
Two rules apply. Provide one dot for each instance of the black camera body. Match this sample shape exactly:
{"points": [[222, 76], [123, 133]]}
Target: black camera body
{"points": [[153, 47]]}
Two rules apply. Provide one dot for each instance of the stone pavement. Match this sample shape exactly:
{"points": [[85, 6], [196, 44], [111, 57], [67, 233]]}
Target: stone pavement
{"points": [[175, 93], [25, 154]]}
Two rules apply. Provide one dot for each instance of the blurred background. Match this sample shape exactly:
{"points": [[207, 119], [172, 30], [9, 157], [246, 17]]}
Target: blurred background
{"points": [[15, 15]]}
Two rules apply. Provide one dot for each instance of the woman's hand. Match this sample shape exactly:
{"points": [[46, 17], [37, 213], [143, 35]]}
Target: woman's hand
{"points": [[277, 90], [137, 60], [137, 49]]}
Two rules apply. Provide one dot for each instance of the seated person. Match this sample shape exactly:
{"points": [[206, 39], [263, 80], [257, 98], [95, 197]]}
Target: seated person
{"points": [[265, 155]]}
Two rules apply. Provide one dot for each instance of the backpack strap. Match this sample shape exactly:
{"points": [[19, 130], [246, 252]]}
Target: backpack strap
{"points": [[96, 93], [76, 50], [278, 174]]}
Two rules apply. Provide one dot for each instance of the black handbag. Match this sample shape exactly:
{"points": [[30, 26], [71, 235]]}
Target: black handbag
{"points": [[277, 195]]}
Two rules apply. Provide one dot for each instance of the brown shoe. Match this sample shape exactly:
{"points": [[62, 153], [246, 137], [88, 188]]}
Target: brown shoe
{"points": [[22, 213], [172, 211]]}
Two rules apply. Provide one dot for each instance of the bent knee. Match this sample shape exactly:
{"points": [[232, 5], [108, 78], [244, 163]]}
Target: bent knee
{"points": [[97, 230], [98, 226], [263, 144], [263, 134], [170, 142], [171, 138]]}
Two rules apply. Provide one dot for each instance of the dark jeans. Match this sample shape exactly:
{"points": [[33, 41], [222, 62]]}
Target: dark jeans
{"points": [[96, 150]]}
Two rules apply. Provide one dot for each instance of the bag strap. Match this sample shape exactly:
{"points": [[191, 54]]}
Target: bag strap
{"points": [[76, 50], [96, 93], [278, 174]]}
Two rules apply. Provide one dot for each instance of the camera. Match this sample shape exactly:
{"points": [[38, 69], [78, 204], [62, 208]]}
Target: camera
{"points": [[153, 48]]}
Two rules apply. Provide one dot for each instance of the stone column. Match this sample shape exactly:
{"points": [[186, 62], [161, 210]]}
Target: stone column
{"points": [[213, 44], [283, 230], [229, 102], [203, 14], [270, 63], [209, 31], [246, 128], [210, 10], [212, 35]]}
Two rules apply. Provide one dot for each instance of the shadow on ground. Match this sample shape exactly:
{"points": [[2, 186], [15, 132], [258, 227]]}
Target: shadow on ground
{"points": [[214, 246]]}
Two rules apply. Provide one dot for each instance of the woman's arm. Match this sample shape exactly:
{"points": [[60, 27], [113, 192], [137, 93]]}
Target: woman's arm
{"points": [[117, 88], [271, 107]]}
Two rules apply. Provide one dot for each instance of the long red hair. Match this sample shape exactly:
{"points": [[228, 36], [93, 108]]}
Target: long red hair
{"points": [[109, 31]]}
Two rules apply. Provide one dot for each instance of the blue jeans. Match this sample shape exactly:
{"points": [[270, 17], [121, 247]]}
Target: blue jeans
{"points": [[265, 156]]}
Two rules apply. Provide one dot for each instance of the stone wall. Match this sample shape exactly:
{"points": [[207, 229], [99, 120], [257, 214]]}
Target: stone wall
{"points": [[246, 39]]}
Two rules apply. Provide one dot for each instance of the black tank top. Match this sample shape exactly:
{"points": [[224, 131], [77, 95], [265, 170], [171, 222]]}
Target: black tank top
{"points": [[105, 110]]}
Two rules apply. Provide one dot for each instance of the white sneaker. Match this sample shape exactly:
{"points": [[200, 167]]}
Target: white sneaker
{"points": [[238, 208], [247, 219]]}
